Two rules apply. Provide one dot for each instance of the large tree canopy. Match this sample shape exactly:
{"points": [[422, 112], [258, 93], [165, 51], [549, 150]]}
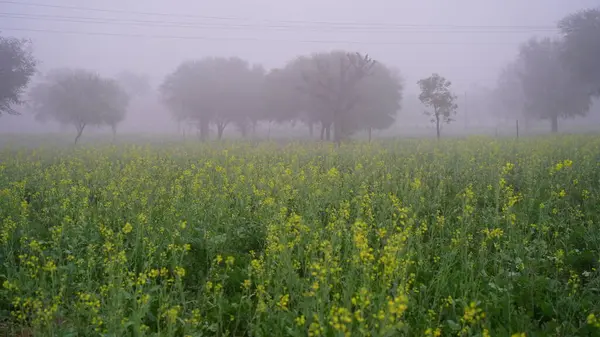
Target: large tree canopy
{"points": [[581, 50], [79, 98], [17, 66], [348, 91], [214, 90], [550, 90]]}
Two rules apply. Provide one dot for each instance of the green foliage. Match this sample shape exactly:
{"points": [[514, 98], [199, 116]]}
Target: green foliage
{"points": [[474, 237], [582, 47], [436, 94], [550, 89], [17, 66], [79, 98]]}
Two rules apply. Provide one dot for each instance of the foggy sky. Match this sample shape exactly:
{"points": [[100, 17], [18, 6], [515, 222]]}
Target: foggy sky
{"points": [[271, 32], [262, 33]]}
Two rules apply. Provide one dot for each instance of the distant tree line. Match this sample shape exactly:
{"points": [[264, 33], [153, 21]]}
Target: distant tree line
{"points": [[339, 92], [554, 78]]}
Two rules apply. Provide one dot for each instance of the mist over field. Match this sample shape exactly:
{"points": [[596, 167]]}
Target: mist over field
{"points": [[468, 42]]}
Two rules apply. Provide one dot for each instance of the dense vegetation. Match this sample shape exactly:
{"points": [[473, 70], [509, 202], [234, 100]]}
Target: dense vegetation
{"points": [[475, 237]]}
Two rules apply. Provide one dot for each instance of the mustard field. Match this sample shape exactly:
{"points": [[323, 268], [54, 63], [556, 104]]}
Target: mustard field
{"points": [[464, 237]]}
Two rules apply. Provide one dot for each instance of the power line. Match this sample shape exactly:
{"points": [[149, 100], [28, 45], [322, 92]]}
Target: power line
{"points": [[190, 37], [174, 24], [300, 22]]}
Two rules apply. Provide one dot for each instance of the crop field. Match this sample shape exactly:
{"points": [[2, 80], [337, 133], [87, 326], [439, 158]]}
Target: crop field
{"points": [[464, 237]]}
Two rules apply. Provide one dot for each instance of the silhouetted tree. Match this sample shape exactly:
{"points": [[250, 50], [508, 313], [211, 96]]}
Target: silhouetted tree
{"points": [[283, 102], [436, 94], [79, 98], [551, 91], [581, 48], [378, 99], [333, 79], [508, 96], [17, 66], [214, 90], [346, 91]]}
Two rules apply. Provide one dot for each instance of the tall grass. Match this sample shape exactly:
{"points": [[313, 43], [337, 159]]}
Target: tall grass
{"points": [[474, 237]]}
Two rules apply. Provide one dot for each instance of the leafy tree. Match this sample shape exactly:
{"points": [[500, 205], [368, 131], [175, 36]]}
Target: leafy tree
{"points": [[508, 96], [346, 91], [286, 102], [183, 93], [214, 90], [79, 98], [378, 99], [581, 49], [17, 66], [332, 80], [550, 89], [436, 94]]}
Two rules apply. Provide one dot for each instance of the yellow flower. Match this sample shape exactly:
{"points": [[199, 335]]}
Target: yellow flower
{"points": [[179, 271], [283, 302], [50, 266], [127, 228]]}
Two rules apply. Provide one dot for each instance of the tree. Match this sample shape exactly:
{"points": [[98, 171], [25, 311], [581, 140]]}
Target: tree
{"points": [[508, 96], [378, 99], [17, 66], [581, 48], [220, 91], [436, 94], [330, 80], [79, 98], [550, 89], [346, 91]]}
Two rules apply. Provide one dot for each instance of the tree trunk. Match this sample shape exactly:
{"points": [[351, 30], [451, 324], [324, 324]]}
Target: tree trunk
{"points": [[220, 129], [203, 129], [370, 134], [554, 124], [322, 131], [79, 132], [337, 131], [437, 126]]}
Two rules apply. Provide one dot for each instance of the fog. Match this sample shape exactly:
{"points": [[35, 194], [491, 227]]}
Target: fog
{"points": [[467, 41]]}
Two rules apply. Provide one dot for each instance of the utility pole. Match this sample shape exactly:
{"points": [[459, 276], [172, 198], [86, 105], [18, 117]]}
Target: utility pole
{"points": [[466, 112]]}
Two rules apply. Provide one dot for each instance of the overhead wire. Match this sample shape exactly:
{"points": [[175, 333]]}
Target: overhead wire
{"points": [[175, 24], [197, 37], [297, 22]]}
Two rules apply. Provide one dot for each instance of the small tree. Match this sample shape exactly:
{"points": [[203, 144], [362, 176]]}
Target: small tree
{"points": [[17, 66], [79, 98], [436, 94]]}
